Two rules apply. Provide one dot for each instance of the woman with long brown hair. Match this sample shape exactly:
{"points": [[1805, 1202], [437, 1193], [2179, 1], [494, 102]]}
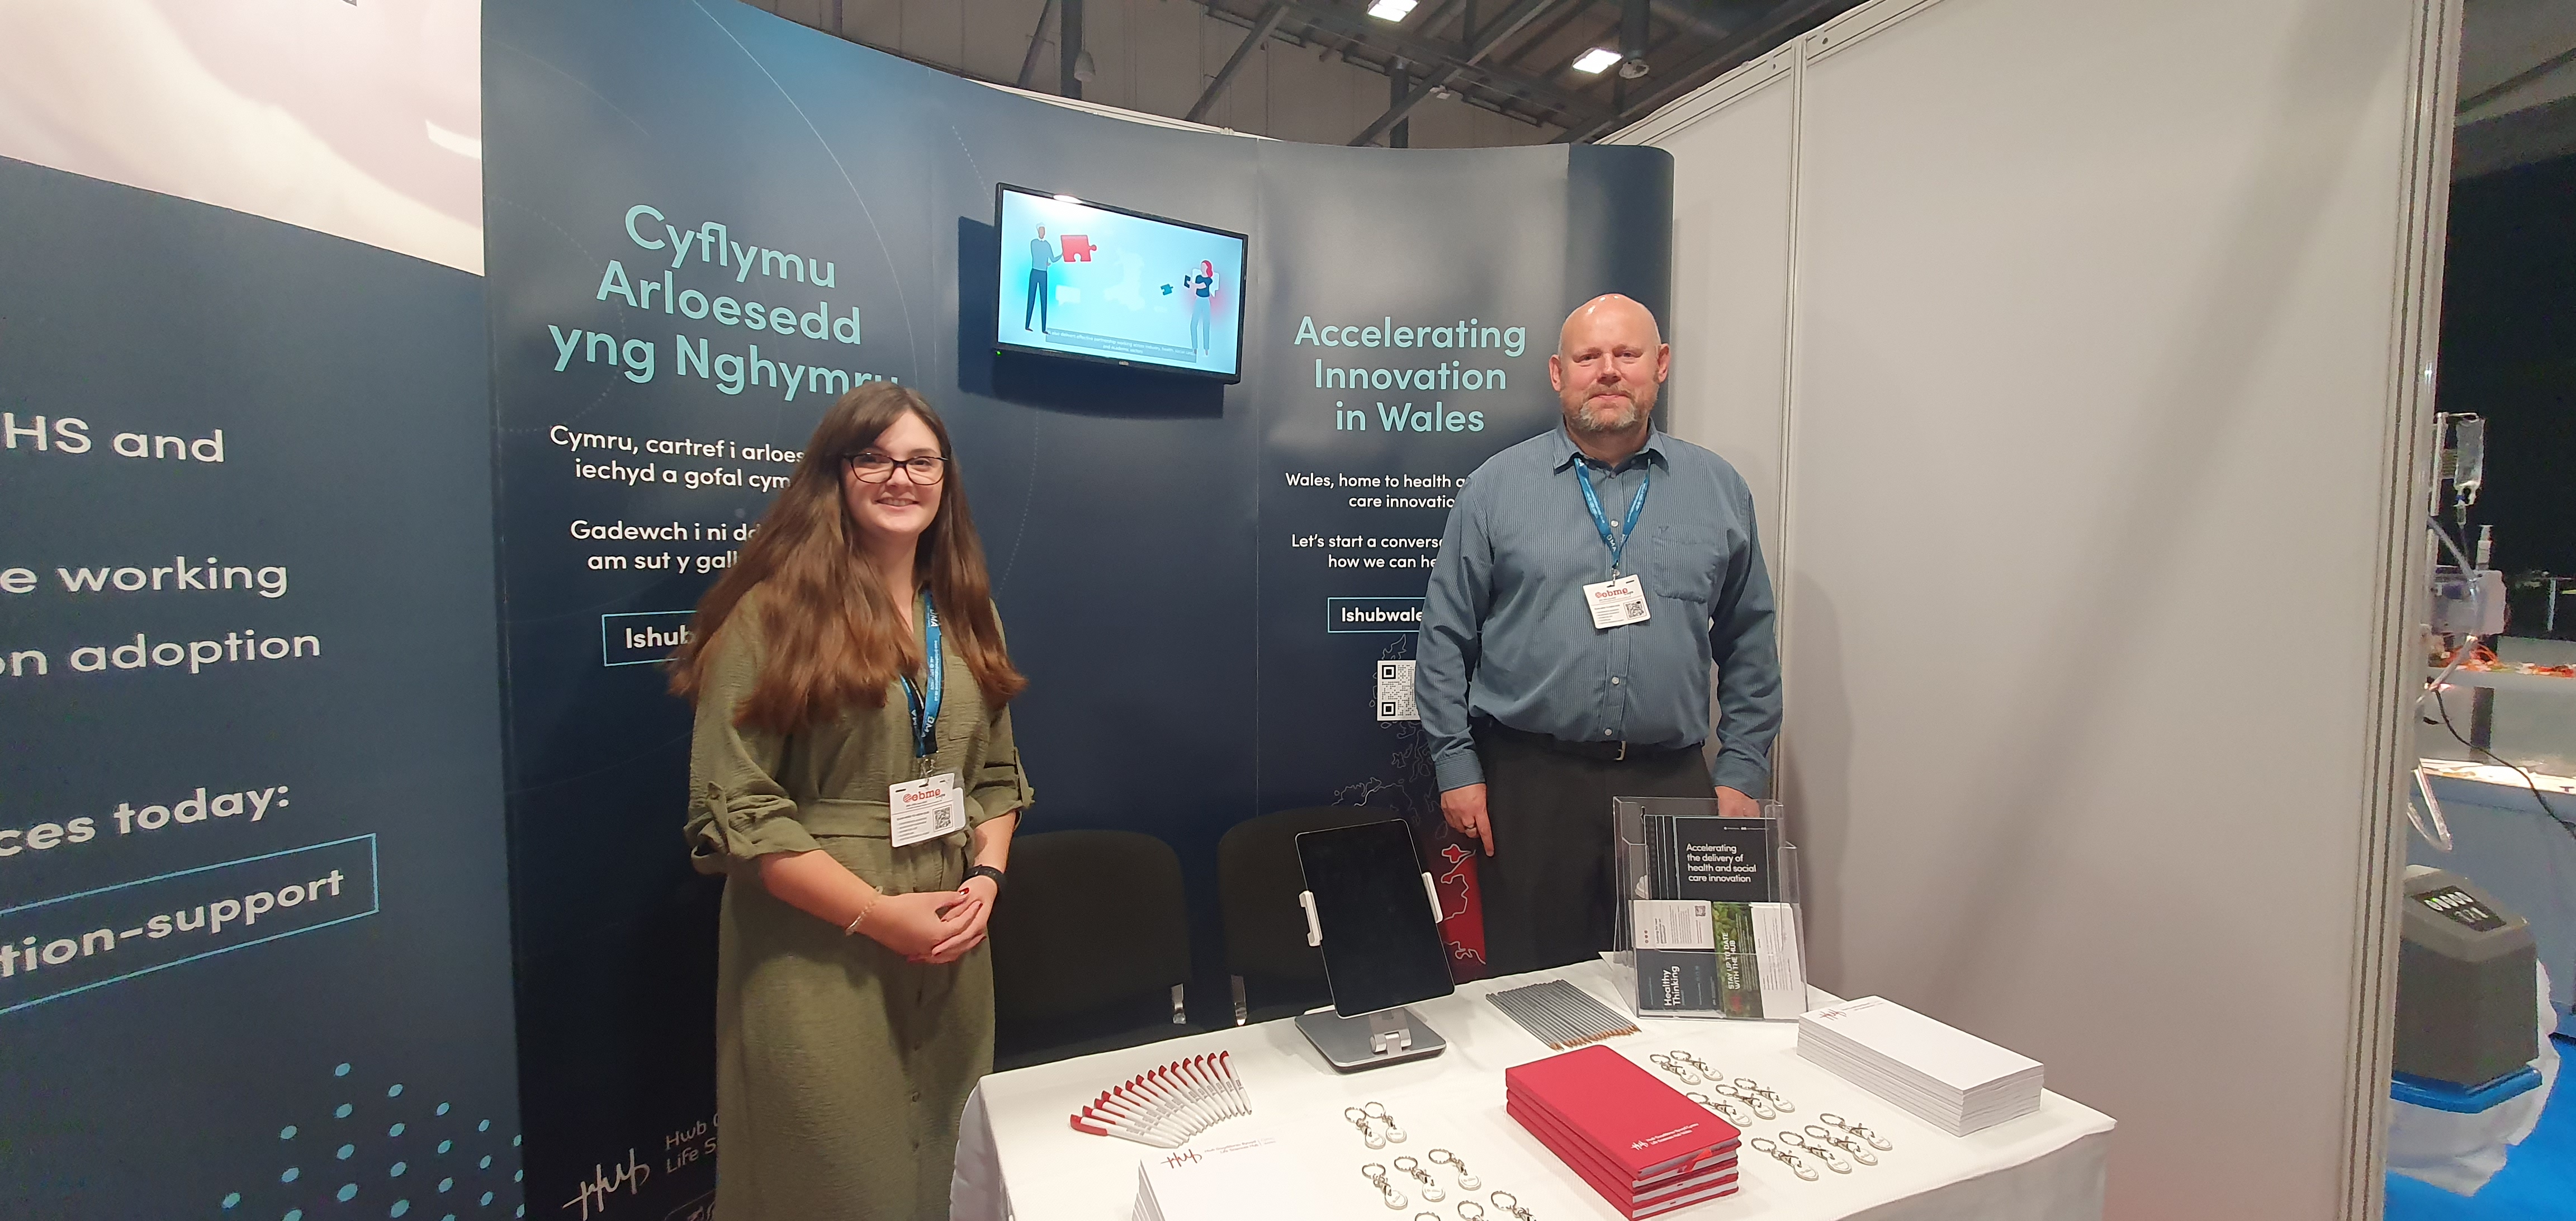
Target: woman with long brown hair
{"points": [[854, 779]]}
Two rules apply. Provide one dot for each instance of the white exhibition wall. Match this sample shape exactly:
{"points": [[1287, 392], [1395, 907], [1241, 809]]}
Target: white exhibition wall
{"points": [[2072, 351]]}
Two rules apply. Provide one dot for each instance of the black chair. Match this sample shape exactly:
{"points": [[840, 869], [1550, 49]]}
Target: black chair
{"points": [[1276, 973], [1091, 946]]}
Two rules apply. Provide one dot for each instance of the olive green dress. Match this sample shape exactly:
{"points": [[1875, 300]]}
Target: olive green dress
{"points": [[840, 1067]]}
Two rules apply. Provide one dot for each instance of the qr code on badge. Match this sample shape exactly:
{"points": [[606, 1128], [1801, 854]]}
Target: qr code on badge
{"points": [[1395, 691]]}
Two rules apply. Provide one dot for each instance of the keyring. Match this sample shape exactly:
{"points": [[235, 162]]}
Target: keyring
{"points": [[1754, 1102], [1466, 1181], [1469, 1210], [1821, 1153], [1387, 1193], [1862, 1131], [1368, 1131], [1675, 1067], [1510, 1203], [1378, 1111], [1844, 1143], [1430, 1190], [1767, 1092], [1711, 1103], [1763, 1145]]}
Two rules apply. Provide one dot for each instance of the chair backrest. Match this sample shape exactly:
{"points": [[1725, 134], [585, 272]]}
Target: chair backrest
{"points": [[1257, 883], [1091, 918]]}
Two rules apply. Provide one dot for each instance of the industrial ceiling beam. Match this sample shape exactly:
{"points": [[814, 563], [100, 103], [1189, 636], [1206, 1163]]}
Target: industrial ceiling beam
{"points": [[1633, 32], [1545, 33], [1397, 81], [2518, 80], [1068, 47], [1259, 34], [1755, 39], [1037, 39], [1502, 27]]}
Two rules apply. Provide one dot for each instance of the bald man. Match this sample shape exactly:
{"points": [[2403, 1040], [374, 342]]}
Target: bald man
{"points": [[1590, 581]]}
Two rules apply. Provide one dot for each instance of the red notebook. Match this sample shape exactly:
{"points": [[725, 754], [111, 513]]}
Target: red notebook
{"points": [[1595, 1167], [1639, 1124], [1672, 1194], [1529, 1110]]}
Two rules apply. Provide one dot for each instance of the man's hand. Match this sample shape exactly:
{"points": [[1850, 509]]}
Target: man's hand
{"points": [[1730, 804], [1464, 807]]}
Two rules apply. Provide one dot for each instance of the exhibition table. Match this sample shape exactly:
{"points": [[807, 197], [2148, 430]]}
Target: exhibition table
{"points": [[1018, 1156]]}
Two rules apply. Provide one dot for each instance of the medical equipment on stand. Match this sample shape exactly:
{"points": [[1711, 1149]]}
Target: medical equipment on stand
{"points": [[2468, 596]]}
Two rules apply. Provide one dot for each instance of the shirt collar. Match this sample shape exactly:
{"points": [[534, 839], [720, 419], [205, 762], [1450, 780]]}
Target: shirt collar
{"points": [[1567, 451]]}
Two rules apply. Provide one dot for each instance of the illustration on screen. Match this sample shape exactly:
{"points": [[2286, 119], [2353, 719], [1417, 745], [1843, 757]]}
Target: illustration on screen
{"points": [[1093, 282]]}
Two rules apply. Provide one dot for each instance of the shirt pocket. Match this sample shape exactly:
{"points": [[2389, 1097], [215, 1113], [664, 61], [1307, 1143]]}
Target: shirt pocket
{"points": [[1685, 563]]}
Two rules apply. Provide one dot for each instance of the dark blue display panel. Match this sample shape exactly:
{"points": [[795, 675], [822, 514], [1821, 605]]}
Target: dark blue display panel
{"points": [[1200, 605], [252, 894]]}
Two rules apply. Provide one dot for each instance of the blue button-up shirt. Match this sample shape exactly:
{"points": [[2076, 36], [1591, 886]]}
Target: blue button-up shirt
{"points": [[1506, 633]]}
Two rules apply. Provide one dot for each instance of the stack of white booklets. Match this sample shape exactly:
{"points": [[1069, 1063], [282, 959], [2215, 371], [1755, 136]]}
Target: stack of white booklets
{"points": [[1248, 1180], [1948, 1077]]}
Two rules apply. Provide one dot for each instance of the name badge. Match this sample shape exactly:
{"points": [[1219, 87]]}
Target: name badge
{"points": [[1616, 603], [927, 808]]}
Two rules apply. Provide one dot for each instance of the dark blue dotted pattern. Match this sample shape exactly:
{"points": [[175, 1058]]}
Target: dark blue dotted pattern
{"points": [[427, 1134]]}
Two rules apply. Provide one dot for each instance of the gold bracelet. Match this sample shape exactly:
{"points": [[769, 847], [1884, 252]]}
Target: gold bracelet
{"points": [[853, 929]]}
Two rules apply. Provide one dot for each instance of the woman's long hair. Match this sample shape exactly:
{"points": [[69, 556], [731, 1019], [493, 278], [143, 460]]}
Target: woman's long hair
{"points": [[835, 635]]}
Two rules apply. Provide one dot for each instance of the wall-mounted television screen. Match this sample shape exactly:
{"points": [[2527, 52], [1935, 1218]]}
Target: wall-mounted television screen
{"points": [[1093, 282]]}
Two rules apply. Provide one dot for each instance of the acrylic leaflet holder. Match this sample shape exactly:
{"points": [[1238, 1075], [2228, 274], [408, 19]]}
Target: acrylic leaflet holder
{"points": [[1708, 918]]}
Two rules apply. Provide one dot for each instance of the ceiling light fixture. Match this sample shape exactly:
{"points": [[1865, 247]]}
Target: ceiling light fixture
{"points": [[1596, 59], [1391, 10]]}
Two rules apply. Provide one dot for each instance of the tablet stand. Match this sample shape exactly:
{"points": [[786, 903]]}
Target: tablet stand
{"points": [[1370, 1040], [1389, 1036]]}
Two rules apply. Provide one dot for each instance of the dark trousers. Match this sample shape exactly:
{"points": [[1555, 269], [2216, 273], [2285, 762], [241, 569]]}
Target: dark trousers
{"points": [[1546, 888], [1036, 304]]}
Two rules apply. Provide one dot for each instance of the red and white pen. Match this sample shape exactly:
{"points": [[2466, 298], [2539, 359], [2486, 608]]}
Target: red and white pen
{"points": [[1166, 1106], [1102, 1125]]}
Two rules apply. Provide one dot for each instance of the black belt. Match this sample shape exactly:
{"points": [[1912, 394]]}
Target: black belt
{"points": [[1615, 752]]}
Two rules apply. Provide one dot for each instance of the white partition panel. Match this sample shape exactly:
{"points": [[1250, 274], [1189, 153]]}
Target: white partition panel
{"points": [[1733, 188], [2099, 438]]}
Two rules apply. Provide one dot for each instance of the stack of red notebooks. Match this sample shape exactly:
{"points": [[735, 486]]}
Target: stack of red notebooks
{"points": [[1643, 1146]]}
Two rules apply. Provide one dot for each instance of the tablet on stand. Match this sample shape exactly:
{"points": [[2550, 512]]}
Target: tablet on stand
{"points": [[1375, 913]]}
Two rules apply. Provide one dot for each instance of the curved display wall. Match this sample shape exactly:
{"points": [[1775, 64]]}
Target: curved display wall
{"points": [[270, 446], [1199, 579]]}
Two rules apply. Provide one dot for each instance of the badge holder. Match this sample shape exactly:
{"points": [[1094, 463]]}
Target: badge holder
{"points": [[1366, 883]]}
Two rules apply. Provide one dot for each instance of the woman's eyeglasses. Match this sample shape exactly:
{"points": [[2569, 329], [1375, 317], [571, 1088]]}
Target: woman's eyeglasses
{"points": [[873, 467]]}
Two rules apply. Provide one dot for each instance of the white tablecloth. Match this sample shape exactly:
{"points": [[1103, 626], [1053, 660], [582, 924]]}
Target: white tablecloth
{"points": [[1018, 1157]]}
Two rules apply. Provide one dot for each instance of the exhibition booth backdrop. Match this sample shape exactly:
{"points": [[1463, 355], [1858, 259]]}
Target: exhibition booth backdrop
{"points": [[2094, 294], [702, 222], [1200, 580]]}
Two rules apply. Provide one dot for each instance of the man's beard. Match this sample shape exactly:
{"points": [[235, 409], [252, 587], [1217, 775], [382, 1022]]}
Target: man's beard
{"points": [[1585, 421]]}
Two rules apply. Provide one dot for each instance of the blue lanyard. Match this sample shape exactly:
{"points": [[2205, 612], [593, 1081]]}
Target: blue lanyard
{"points": [[1591, 501], [925, 714]]}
